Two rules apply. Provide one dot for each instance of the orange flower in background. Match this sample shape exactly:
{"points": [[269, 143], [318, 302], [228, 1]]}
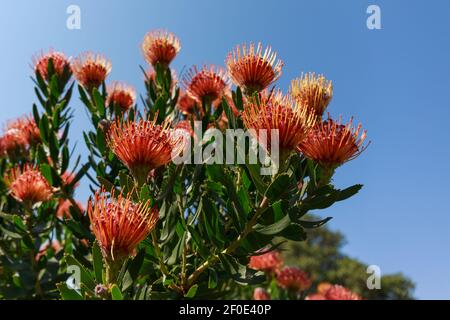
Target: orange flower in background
{"points": [[63, 210], [67, 178], [208, 83], [333, 292], [292, 278], [312, 91], [332, 143], [91, 69], [186, 104], [121, 95], [143, 146], [28, 185], [268, 262], [61, 64], [253, 68], [13, 144], [260, 294], [20, 133], [160, 47], [119, 225], [55, 246], [277, 111]]}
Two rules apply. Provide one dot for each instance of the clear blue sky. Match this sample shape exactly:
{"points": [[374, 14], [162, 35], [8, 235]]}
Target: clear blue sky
{"points": [[395, 81]]}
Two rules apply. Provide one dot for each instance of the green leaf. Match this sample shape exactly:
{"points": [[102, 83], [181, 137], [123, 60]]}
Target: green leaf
{"points": [[192, 291], [85, 276], [314, 224], [274, 228], [136, 264], [278, 186], [67, 293], [115, 293], [97, 262], [254, 170], [99, 103], [348, 192], [46, 171], [294, 232], [212, 280]]}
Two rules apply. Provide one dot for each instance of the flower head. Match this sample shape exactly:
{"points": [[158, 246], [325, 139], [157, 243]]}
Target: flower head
{"points": [[269, 262], [63, 210], [121, 95], [333, 292], [331, 143], [160, 47], [186, 104], [208, 83], [292, 278], [277, 111], [312, 91], [253, 68], [28, 185], [19, 135], [119, 225], [261, 294], [143, 146], [61, 64], [91, 69]]}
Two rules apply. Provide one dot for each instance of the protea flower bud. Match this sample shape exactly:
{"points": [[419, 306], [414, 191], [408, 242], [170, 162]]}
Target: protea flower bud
{"points": [[119, 225], [121, 95], [143, 146], [160, 47], [61, 64], [28, 185], [268, 262], [261, 294], [91, 69], [331, 143], [292, 278], [252, 68], [208, 83], [312, 91]]}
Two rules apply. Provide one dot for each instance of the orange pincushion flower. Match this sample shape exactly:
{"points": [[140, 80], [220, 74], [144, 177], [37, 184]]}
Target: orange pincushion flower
{"points": [[312, 91], [260, 294], [269, 262], [121, 95], [160, 47], [253, 68], [331, 143], [13, 144], [63, 210], [209, 83], [119, 225], [22, 132], [276, 111], [143, 146], [91, 69], [60, 64], [293, 278], [334, 292], [28, 185], [186, 104]]}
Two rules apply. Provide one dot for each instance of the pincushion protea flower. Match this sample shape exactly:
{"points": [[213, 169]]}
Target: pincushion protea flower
{"points": [[160, 47], [277, 111], [260, 294], [253, 68], [19, 135], [269, 262], [63, 210], [292, 278], [28, 185], [208, 83], [186, 104], [121, 95], [119, 225], [312, 91], [331, 143], [334, 292], [61, 64], [91, 69], [143, 146]]}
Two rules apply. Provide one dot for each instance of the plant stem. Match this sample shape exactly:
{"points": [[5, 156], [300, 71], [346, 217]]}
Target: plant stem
{"points": [[32, 254]]}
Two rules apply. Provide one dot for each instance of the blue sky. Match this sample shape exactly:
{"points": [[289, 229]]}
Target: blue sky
{"points": [[395, 81]]}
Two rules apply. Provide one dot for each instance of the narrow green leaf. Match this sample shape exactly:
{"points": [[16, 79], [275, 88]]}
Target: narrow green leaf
{"points": [[115, 293], [97, 262]]}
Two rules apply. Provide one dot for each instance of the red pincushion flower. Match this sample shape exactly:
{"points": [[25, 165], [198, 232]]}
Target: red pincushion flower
{"points": [[208, 83], [28, 185], [160, 47], [334, 292], [143, 146], [269, 262], [61, 64], [121, 95], [275, 111], [119, 225], [312, 91], [260, 294], [186, 104], [19, 135], [293, 278], [253, 68], [91, 69], [331, 143]]}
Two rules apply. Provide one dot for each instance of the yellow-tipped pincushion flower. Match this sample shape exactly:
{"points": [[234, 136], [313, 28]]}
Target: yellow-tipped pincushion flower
{"points": [[143, 146], [312, 91], [331, 143], [208, 83], [91, 69], [277, 111], [28, 185], [121, 95], [61, 64], [252, 68], [160, 47], [119, 225]]}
